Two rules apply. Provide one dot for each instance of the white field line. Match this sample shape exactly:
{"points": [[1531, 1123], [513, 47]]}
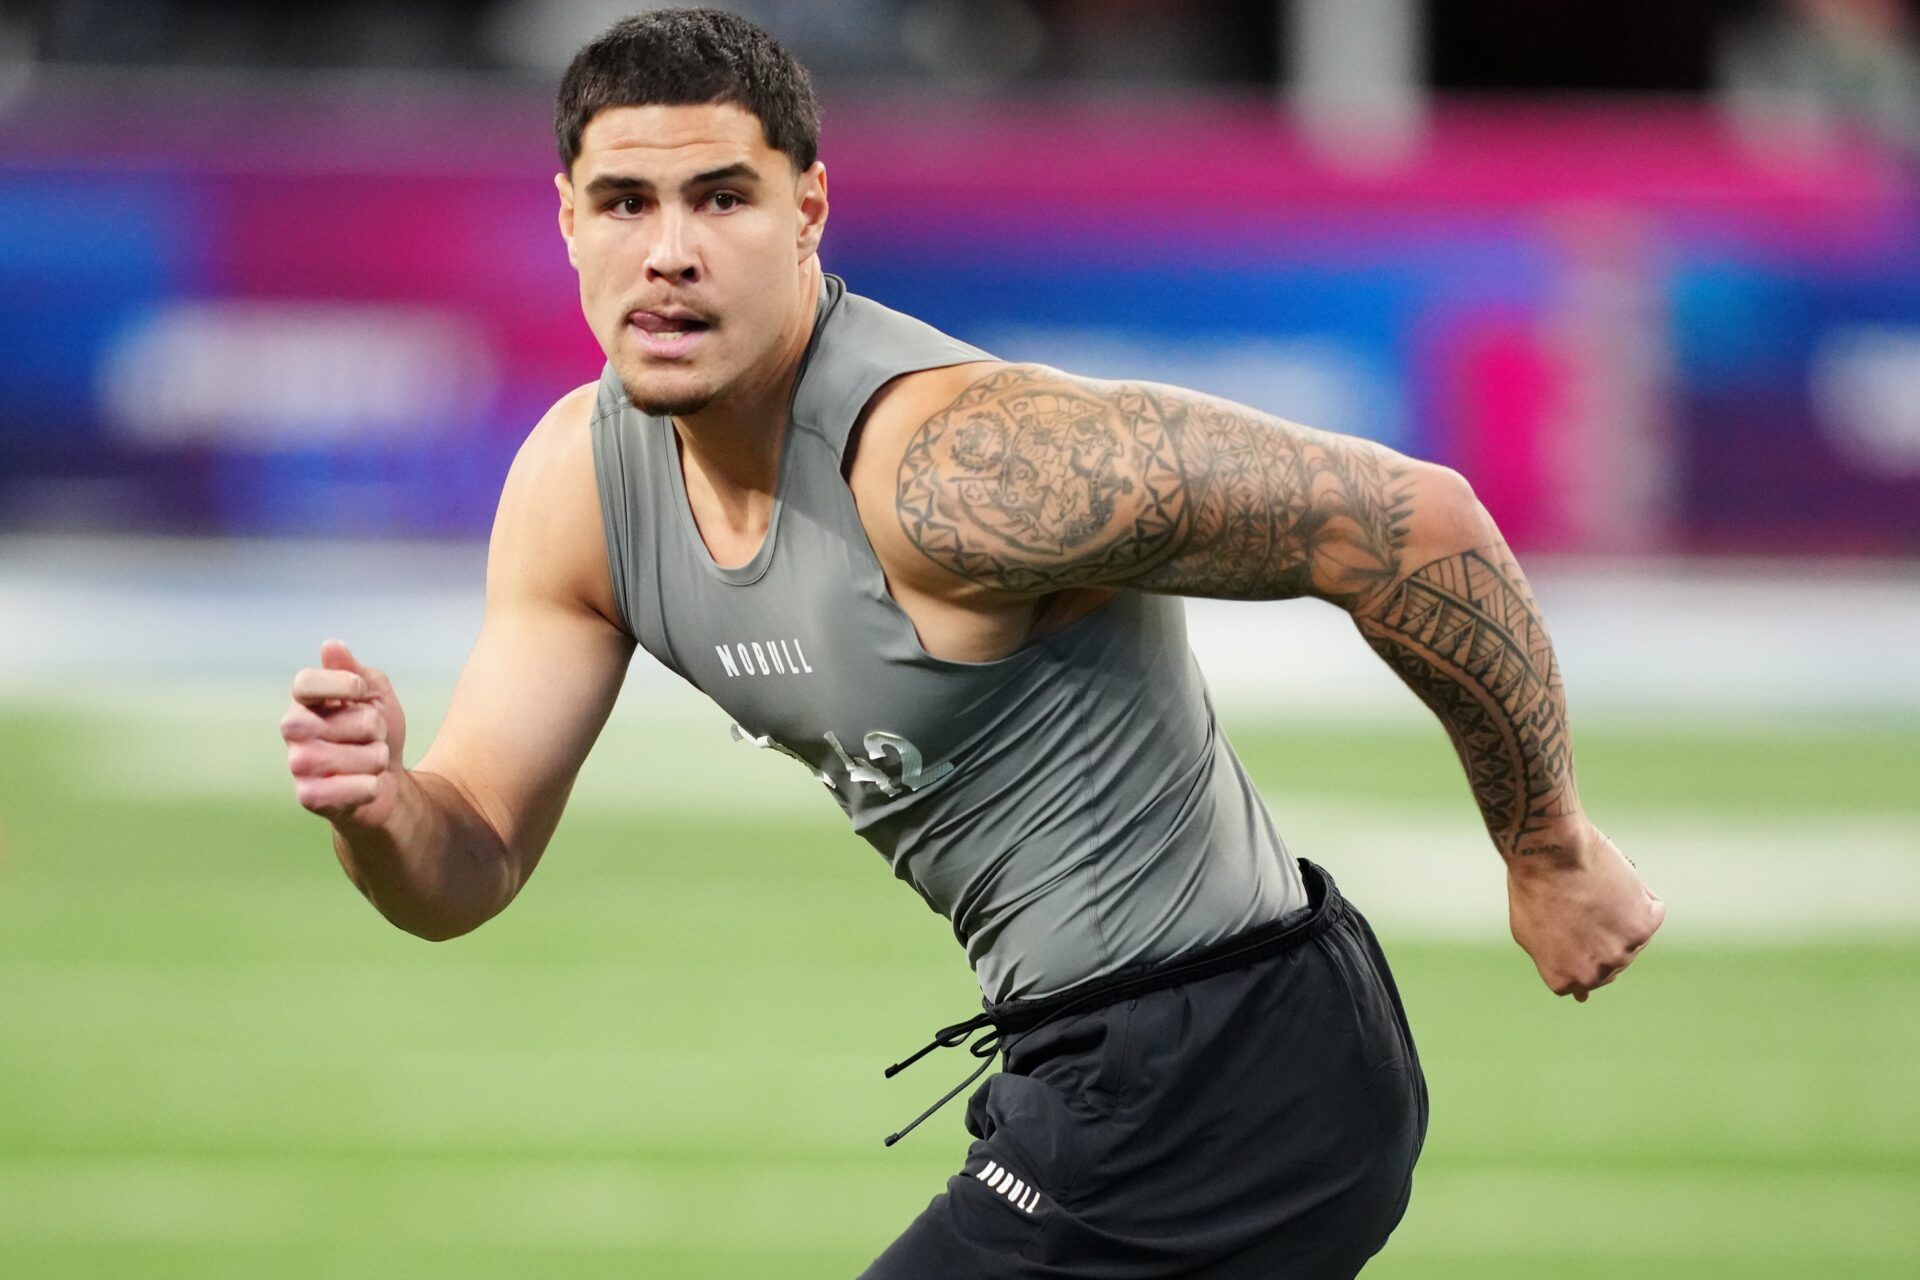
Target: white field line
{"points": [[1658, 639], [1418, 873], [1780, 880]]}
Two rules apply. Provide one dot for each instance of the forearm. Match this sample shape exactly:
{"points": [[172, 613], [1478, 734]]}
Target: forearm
{"points": [[1460, 626], [433, 866], [1409, 551]]}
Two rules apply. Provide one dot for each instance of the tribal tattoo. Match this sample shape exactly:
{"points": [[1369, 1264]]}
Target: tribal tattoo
{"points": [[1465, 635], [1032, 481]]}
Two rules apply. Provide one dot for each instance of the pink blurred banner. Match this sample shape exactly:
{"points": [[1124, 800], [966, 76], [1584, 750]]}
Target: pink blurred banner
{"points": [[1630, 327]]}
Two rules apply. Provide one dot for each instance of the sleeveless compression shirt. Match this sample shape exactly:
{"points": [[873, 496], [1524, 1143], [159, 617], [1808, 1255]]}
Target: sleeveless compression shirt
{"points": [[1073, 808]]}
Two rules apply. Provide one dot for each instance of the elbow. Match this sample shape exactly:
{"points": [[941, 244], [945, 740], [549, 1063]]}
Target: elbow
{"points": [[441, 929], [438, 933], [435, 927], [1451, 515]]}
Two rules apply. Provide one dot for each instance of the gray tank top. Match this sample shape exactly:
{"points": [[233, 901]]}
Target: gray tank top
{"points": [[1072, 808]]}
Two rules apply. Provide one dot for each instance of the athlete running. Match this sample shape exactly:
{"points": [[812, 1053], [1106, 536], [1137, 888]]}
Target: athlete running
{"points": [[949, 586]]}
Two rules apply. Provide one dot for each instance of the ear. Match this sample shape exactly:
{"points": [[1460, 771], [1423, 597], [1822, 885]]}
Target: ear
{"points": [[812, 192], [564, 184]]}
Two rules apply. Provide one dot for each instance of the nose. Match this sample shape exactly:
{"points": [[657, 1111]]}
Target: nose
{"points": [[674, 256]]}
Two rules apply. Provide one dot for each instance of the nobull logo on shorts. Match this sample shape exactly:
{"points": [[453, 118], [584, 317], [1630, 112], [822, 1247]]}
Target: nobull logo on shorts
{"points": [[764, 658], [1015, 1190]]}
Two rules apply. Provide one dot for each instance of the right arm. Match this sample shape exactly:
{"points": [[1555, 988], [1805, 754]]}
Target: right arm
{"points": [[441, 848]]}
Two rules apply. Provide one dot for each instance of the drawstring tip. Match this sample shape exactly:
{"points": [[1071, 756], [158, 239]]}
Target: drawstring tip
{"points": [[983, 1048], [945, 1038]]}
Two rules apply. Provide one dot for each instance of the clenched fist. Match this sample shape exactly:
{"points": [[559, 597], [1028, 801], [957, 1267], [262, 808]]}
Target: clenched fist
{"points": [[344, 733], [1583, 919]]}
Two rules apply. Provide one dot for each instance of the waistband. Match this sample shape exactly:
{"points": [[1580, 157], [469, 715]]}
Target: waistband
{"points": [[1324, 905], [1015, 1017]]}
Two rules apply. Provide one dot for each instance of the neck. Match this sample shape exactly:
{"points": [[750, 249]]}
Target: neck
{"points": [[735, 440]]}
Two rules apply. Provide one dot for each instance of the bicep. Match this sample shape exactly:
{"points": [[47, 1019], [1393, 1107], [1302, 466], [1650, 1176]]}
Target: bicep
{"points": [[1032, 481], [543, 675]]}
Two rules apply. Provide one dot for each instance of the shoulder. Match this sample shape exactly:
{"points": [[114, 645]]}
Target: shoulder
{"points": [[990, 402], [560, 442], [887, 428], [905, 404], [1013, 477], [547, 536]]}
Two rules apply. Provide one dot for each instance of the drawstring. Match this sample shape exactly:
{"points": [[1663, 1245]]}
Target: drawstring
{"points": [[1026, 1015], [951, 1037], [1324, 905]]}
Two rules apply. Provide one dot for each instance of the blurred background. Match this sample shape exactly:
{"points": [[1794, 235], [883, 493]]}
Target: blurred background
{"points": [[280, 293]]}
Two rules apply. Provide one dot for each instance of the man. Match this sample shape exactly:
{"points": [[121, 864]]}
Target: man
{"points": [[949, 587]]}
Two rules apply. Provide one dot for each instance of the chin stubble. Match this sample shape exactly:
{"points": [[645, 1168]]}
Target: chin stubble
{"points": [[664, 403], [670, 406]]}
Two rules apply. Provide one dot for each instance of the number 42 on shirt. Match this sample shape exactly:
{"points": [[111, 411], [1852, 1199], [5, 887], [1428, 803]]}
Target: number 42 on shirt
{"points": [[914, 773]]}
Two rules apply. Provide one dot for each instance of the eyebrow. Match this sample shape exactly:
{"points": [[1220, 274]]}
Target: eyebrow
{"points": [[609, 183]]}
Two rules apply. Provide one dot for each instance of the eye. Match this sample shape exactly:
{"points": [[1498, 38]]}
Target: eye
{"points": [[724, 201], [628, 206]]}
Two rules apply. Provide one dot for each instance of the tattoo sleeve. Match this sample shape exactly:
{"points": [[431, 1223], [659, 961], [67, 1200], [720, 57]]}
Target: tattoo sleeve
{"points": [[1032, 481], [1465, 635]]}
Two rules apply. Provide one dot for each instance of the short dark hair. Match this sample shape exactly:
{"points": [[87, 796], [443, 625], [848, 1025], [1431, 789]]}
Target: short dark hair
{"points": [[680, 57]]}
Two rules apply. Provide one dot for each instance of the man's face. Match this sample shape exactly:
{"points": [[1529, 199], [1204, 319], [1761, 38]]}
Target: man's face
{"points": [[691, 236]]}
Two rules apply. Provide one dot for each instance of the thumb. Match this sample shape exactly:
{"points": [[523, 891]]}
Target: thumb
{"points": [[335, 656]]}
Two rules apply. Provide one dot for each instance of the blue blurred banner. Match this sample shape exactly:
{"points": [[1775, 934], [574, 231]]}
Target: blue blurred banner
{"points": [[269, 316]]}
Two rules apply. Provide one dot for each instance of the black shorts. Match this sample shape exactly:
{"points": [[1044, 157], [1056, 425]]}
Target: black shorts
{"points": [[1261, 1119]]}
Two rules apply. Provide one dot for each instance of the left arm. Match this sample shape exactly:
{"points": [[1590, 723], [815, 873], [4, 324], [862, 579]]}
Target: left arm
{"points": [[1032, 481]]}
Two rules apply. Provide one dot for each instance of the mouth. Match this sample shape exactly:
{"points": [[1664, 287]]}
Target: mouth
{"points": [[667, 333]]}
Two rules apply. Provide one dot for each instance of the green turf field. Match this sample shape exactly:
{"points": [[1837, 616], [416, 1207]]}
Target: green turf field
{"points": [[664, 1060]]}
